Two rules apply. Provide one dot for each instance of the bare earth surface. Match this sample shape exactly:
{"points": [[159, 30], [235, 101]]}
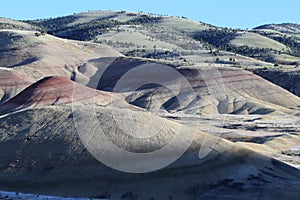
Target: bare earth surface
{"points": [[62, 100]]}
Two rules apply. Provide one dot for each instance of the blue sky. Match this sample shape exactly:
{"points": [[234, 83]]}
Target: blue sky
{"points": [[225, 13]]}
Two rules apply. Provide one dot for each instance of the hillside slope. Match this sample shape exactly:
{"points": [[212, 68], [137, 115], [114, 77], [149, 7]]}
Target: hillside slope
{"points": [[11, 83], [235, 91], [286, 33], [181, 40], [164, 37], [62, 166], [52, 91], [38, 56]]}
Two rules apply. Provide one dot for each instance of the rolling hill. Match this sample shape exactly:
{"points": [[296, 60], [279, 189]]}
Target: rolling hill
{"points": [[45, 55], [182, 40], [77, 90], [62, 166], [11, 83]]}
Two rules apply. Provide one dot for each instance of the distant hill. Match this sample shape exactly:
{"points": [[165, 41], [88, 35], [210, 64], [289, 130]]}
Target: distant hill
{"points": [[287, 34], [46, 55], [168, 37], [6, 23], [288, 28]]}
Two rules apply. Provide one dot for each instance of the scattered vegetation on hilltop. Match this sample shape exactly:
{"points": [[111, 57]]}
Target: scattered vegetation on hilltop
{"points": [[168, 38], [219, 38]]}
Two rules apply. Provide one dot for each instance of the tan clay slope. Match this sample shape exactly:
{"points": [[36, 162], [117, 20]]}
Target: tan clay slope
{"points": [[249, 86], [41, 152], [11, 83], [215, 90], [46, 55], [54, 91]]}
